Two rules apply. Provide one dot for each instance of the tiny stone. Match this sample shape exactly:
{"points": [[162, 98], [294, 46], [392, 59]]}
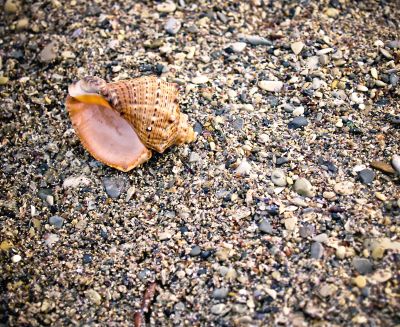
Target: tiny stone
{"points": [[281, 160], [238, 47], [200, 79], [290, 223], [341, 252], [344, 188], [383, 166], [220, 293], [113, 186], [374, 73], [196, 250], [332, 12], [321, 238], [360, 281], [297, 47], [219, 309], [166, 7], [3, 80], [366, 176], [278, 177], [194, 157], [386, 53], [362, 265], [298, 122], [327, 290], [172, 26], [303, 187], [163, 236], [265, 226], [48, 53], [256, 40], [329, 195], [244, 168], [306, 230], [16, 258], [271, 86], [298, 111], [87, 258], [93, 296], [50, 239], [56, 221], [11, 7], [22, 24], [317, 250]]}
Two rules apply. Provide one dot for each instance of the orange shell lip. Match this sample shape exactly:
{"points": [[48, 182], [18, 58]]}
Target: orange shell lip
{"points": [[92, 98], [106, 135]]}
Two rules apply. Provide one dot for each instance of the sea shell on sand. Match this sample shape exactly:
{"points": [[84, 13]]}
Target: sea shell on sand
{"points": [[120, 123]]}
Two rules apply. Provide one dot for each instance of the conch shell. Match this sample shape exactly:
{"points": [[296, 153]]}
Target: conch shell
{"points": [[120, 123]]}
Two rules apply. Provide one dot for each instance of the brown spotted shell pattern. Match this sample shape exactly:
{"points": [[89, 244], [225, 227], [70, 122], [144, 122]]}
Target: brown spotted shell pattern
{"points": [[120, 122]]}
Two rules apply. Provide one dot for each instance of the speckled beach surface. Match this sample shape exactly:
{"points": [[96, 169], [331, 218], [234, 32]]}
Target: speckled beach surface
{"points": [[284, 211]]}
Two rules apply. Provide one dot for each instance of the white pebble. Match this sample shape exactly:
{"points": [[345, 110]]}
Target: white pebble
{"points": [[297, 47], [238, 47], [202, 79], [16, 258], [396, 162], [271, 86], [244, 168]]}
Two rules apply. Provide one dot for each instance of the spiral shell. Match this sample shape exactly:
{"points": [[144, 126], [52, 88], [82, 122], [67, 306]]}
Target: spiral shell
{"points": [[127, 119]]}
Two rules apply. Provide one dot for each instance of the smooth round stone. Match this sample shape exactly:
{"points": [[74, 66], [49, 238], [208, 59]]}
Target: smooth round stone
{"points": [[298, 111], [344, 188], [317, 250], [383, 166], [11, 7], [288, 107], [50, 239], [396, 162], [271, 86], [360, 281], [93, 296], [172, 26], [194, 157], [256, 40], [219, 309], [303, 187], [265, 227], [298, 122], [281, 160], [362, 265], [307, 230], [16, 258], [278, 177], [166, 7], [366, 176], [321, 238], [200, 79], [196, 250], [238, 47], [244, 168], [220, 293], [56, 221]]}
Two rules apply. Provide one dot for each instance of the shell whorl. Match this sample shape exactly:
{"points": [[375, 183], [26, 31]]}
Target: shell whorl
{"points": [[151, 106]]}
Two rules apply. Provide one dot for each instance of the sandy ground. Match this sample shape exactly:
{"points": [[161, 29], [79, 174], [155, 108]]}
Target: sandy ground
{"points": [[285, 211]]}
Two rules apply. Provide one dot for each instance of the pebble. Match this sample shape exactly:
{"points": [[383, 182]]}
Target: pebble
{"points": [[366, 176], [321, 238], [298, 111], [238, 47], [93, 296], [344, 188], [341, 252], [166, 7], [396, 162], [362, 265], [75, 181], [303, 187], [317, 250], [265, 226], [271, 86], [328, 195], [219, 309], [22, 24], [374, 73], [327, 290], [220, 293], [332, 12], [163, 236], [255, 40], [360, 281], [306, 230], [202, 79], [298, 122], [172, 26], [16, 258], [48, 54], [3, 80], [244, 168], [194, 157], [113, 186], [297, 47], [386, 53], [383, 166], [278, 177], [50, 239], [195, 251], [290, 223], [11, 7], [131, 191], [87, 258], [56, 221]]}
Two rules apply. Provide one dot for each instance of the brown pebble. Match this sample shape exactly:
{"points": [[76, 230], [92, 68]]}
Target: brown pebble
{"points": [[383, 166]]}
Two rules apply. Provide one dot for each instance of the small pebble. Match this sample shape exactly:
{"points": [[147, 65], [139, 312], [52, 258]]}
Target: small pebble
{"points": [[195, 251], [172, 26], [220, 293], [298, 122], [244, 168], [48, 54], [278, 177], [11, 7], [200, 79], [297, 47], [344, 188], [362, 265], [396, 162], [238, 47], [113, 186], [56, 221], [166, 7], [265, 227], [87, 258], [271, 86], [366, 176], [303, 187], [317, 250], [219, 309], [93, 296], [360, 281], [16, 258], [383, 166]]}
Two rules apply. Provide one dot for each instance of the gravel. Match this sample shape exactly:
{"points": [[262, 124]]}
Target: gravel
{"points": [[224, 245]]}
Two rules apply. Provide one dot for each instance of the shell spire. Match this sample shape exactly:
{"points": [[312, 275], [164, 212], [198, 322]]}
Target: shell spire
{"points": [[128, 118]]}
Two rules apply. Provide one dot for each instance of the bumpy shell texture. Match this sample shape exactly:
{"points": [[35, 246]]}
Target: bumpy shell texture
{"points": [[119, 123]]}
